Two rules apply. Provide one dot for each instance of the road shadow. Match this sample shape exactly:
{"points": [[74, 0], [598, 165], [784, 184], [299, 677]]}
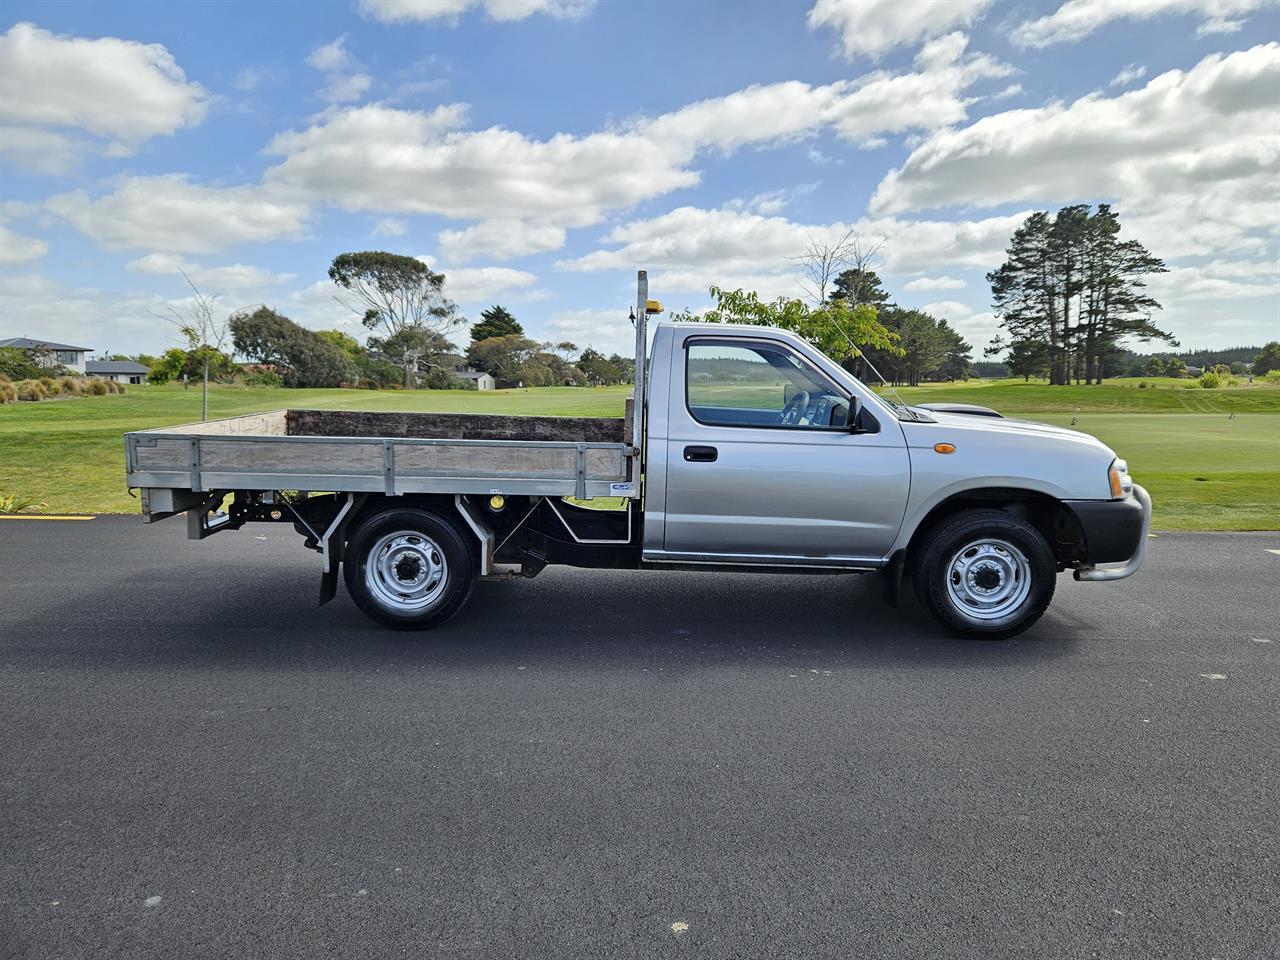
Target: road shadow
{"points": [[254, 614]]}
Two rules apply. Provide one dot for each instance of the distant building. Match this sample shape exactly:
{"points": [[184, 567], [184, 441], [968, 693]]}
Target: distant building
{"points": [[121, 371], [63, 353], [483, 381], [1193, 371]]}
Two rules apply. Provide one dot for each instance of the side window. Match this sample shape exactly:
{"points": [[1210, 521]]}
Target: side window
{"points": [[759, 385]]}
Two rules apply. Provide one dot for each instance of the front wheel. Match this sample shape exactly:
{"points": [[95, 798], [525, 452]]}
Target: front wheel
{"points": [[985, 574], [409, 568]]}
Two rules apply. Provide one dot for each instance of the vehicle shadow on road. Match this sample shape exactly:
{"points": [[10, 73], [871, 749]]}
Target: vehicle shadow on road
{"points": [[582, 619]]}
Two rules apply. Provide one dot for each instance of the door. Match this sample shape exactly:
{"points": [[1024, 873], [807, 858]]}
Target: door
{"points": [[761, 460]]}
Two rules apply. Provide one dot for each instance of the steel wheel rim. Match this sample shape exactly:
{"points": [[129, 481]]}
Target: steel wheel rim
{"points": [[988, 579], [406, 571]]}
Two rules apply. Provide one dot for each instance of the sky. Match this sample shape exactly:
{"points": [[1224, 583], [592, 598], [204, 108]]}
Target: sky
{"points": [[539, 152]]}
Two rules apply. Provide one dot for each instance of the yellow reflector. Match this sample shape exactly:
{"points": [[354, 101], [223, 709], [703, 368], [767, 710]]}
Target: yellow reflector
{"points": [[944, 448], [497, 503], [1117, 490], [653, 306]]}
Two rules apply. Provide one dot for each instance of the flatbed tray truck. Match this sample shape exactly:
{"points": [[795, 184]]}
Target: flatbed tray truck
{"points": [[746, 449]]}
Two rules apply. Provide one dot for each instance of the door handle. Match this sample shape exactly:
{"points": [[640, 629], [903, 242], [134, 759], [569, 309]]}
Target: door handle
{"points": [[701, 454]]}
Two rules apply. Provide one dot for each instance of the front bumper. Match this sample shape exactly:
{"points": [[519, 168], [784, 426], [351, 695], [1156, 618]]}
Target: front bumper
{"points": [[1114, 530]]}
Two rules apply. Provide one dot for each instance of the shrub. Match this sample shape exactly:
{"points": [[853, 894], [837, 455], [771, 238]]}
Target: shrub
{"points": [[264, 378], [97, 388], [71, 386], [1210, 380], [50, 386], [12, 503], [8, 392], [1142, 384], [1272, 376], [30, 390]]}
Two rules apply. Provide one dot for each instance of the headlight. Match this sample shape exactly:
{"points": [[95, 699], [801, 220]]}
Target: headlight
{"points": [[1121, 482]]}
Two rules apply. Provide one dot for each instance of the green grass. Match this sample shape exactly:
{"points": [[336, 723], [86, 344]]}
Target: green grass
{"points": [[1162, 395], [1205, 472]]}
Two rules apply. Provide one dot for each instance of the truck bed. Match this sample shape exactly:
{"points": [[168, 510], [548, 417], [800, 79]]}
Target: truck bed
{"points": [[391, 453]]}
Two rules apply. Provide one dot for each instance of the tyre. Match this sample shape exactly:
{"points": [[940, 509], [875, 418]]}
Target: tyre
{"points": [[409, 568], [985, 574]]}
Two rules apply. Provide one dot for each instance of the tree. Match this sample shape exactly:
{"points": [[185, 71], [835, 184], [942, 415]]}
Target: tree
{"points": [[204, 335], [626, 367], [597, 368], [495, 322], [838, 329], [1154, 367], [858, 286], [824, 261], [302, 357], [1070, 284], [178, 363], [957, 354], [1026, 358], [1268, 359], [394, 293], [1175, 367], [432, 357], [512, 360]]}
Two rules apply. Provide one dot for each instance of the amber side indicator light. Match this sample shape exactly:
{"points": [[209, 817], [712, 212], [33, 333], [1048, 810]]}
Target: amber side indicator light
{"points": [[944, 448]]}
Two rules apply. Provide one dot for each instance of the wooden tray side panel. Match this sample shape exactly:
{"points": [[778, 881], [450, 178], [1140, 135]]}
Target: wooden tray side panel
{"points": [[452, 426]]}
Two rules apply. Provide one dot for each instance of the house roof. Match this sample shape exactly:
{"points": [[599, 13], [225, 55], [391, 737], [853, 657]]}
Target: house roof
{"points": [[25, 343], [116, 366], [471, 374]]}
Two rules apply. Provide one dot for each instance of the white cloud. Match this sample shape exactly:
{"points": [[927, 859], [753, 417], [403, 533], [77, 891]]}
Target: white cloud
{"points": [[15, 248], [1191, 159], [948, 310], [1012, 90], [390, 227], [1130, 73], [43, 151], [702, 247], [340, 68], [935, 283], [347, 89], [1217, 280], [233, 278], [874, 27], [1076, 19], [473, 285], [168, 213], [251, 78], [500, 239], [378, 158], [407, 11], [117, 89], [331, 56], [608, 331]]}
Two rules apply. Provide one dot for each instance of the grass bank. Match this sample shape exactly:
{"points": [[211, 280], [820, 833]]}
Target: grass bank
{"points": [[1204, 470]]}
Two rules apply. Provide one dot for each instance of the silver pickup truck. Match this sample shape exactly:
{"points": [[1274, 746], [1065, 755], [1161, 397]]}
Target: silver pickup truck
{"points": [[749, 450]]}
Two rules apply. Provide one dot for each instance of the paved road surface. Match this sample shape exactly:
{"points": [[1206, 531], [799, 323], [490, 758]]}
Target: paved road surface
{"points": [[198, 762]]}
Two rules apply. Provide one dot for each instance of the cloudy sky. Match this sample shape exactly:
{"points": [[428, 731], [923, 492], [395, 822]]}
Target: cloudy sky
{"points": [[538, 152]]}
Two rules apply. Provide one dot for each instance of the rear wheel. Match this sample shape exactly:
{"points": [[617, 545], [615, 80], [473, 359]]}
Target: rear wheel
{"points": [[409, 568], [985, 574]]}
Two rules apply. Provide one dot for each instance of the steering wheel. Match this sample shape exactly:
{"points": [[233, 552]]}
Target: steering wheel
{"points": [[794, 409]]}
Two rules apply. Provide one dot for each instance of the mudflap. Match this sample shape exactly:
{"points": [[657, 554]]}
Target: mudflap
{"points": [[891, 577], [328, 585]]}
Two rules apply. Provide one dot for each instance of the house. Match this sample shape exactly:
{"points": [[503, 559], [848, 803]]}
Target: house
{"points": [[121, 371], [63, 353], [483, 381]]}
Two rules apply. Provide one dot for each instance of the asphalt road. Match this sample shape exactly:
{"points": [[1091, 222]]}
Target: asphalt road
{"points": [[198, 762]]}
